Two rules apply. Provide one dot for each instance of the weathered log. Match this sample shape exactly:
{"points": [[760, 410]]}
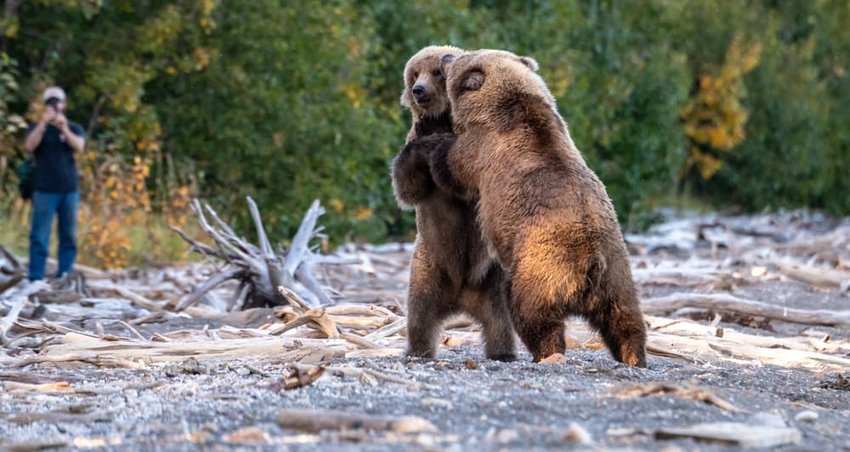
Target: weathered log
{"points": [[818, 277], [726, 302]]}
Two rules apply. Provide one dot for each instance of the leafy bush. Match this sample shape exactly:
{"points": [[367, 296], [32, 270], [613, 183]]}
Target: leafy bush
{"points": [[743, 107]]}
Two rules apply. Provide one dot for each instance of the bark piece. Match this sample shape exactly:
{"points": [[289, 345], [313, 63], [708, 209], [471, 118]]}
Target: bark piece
{"points": [[316, 421]]}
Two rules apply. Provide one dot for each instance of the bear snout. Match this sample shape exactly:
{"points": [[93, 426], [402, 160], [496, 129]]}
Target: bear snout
{"points": [[420, 93]]}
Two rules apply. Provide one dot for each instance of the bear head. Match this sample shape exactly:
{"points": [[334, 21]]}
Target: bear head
{"points": [[424, 83], [493, 88]]}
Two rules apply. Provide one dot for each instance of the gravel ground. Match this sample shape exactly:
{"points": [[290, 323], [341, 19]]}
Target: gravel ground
{"points": [[475, 403]]}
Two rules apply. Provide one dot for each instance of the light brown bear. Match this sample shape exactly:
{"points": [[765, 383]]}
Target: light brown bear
{"points": [[451, 271], [545, 214]]}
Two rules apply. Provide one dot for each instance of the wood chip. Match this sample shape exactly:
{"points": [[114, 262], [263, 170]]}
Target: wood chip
{"points": [[678, 391], [299, 377]]}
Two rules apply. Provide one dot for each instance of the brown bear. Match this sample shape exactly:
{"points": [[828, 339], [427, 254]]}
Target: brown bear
{"points": [[542, 210], [451, 271]]}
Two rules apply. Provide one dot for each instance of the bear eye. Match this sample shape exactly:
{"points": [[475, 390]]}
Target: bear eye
{"points": [[415, 74], [436, 72]]}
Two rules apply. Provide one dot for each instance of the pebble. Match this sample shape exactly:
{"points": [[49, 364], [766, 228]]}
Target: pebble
{"points": [[578, 434], [554, 358], [431, 401], [806, 416], [506, 436]]}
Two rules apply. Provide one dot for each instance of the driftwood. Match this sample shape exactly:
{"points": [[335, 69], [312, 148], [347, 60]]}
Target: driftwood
{"points": [[316, 421], [678, 391], [726, 302], [818, 277], [734, 434], [258, 269], [11, 270]]}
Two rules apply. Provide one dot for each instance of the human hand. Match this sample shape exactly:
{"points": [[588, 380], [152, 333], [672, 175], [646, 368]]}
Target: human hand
{"points": [[48, 115], [60, 121]]}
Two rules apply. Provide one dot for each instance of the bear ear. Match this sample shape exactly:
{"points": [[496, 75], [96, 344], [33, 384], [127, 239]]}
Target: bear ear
{"points": [[530, 62], [472, 81], [446, 61]]}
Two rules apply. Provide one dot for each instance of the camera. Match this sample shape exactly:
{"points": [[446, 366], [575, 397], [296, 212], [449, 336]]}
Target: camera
{"points": [[53, 102]]}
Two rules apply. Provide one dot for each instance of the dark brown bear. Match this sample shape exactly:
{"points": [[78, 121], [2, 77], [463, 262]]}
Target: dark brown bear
{"points": [[451, 271], [542, 210]]}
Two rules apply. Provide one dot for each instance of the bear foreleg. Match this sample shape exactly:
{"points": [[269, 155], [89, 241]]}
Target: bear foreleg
{"points": [[411, 177]]}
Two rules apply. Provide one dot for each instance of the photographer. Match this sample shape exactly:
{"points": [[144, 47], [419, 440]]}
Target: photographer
{"points": [[53, 141]]}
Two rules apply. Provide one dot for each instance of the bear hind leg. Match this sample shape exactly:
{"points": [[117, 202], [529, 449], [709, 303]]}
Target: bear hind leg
{"points": [[490, 307], [620, 323], [539, 328], [431, 299]]}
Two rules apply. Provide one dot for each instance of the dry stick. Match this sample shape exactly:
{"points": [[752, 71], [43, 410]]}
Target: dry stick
{"points": [[262, 238], [299, 247], [388, 330], [820, 277], [359, 340], [210, 284], [334, 260], [133, 330], [15, 274], [223, 242], [353, 309], [315, 421], [135, 298], [678, 391], [315, 316], [360, 321], [10, 318], [305, 276], [238, 299], [200, 247], [229, 233], [391, 378], [669, 303], [292, 297], [59, 328]]}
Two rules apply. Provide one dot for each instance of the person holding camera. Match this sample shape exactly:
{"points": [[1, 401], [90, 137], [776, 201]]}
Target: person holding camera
{"points": [[53, 141]]}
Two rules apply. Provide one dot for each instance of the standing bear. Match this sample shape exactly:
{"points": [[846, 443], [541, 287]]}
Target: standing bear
{"points": [[543, 211], [451, 271]]}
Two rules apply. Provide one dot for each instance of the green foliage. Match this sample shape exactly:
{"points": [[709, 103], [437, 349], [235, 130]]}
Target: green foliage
{"points": [[291, 101]]}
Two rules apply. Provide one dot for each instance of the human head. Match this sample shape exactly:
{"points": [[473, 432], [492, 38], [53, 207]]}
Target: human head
{"points": [[55, 97]]}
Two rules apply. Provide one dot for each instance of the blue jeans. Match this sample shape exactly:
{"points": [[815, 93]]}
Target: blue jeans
{"points": [[44, 207]]}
